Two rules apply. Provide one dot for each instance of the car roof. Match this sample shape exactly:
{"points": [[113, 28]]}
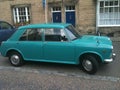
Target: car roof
{"points": [[3, 21], [45, 25]]}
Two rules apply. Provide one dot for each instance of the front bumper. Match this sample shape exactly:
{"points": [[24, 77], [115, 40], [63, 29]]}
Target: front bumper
{"points": [[111, 59]]}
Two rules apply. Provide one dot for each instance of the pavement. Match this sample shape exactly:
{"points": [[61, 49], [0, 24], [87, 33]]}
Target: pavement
{"points": [[116, 39], [23, 79]]}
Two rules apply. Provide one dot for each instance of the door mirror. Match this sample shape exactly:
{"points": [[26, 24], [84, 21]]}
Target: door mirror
{"points": [[64, 38]]}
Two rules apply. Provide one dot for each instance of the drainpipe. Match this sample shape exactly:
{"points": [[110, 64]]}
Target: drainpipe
{"points": [[46, 7], [62, 11], [97, 18]]}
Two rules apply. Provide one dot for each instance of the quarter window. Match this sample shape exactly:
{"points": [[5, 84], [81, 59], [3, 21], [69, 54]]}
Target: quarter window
{"points": [[109, 13]]}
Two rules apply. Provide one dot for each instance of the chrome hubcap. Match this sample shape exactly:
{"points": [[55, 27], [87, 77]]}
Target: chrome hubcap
{"points": [[15, 59], [87, 65]]}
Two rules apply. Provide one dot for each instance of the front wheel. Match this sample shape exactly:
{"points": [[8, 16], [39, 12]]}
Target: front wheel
{"points": [[89, 64], [16, 59]]}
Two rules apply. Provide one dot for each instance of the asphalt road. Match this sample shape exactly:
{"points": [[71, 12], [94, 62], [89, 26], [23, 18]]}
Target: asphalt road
{"points": [[48, 76]]}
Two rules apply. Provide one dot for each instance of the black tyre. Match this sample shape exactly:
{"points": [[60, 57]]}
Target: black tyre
{"points": [[16, 59], [89, 64]]}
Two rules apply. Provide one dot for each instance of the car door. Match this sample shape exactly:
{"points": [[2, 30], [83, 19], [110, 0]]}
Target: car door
{"points": [[58, 50], [31, 44]]}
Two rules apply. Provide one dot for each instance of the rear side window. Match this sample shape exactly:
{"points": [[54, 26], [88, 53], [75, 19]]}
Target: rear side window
{"points": [[32, 35]]}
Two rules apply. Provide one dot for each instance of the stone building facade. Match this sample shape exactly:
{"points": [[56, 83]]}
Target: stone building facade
{"points": [[88, 16]]}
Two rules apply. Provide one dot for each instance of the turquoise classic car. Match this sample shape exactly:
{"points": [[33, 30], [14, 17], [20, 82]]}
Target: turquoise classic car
{"points": [[57, 43]]}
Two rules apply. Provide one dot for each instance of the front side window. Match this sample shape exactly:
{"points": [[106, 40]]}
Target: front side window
{"points": [[109, 13], [21, 15], [55, 34], [32, 35]]}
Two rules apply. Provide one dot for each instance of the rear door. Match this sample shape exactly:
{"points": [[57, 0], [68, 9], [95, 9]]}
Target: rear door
{"points": [[30, 44]]}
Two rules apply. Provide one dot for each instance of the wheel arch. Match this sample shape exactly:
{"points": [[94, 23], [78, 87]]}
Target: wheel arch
{"points": [[15, 57], [97, 56], [12, 50]]}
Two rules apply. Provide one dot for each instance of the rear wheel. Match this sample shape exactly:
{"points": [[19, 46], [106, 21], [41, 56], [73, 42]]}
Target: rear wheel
{"points": [[16, 59], [89, 64]]}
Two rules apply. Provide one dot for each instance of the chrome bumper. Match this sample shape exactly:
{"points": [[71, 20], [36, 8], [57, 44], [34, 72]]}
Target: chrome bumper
{"points": [[111, 59]]}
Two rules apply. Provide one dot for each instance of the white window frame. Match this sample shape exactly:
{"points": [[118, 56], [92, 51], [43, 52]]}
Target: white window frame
{"points": [[69, 8], [16, 15], [115, 20], [55, 9]]}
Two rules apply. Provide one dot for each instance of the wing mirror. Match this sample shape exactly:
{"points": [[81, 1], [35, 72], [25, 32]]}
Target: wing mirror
{"points": [[64, 38]]}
